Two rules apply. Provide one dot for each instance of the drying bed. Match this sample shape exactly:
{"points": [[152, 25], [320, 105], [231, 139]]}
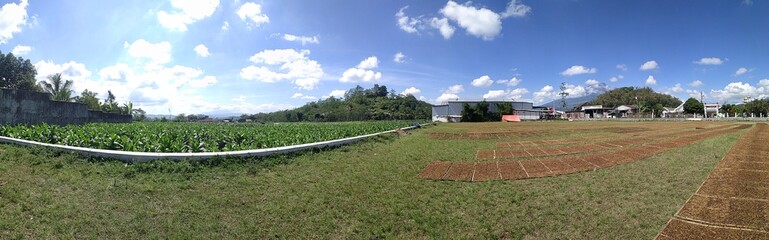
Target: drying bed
{"points": [[733, 201]]}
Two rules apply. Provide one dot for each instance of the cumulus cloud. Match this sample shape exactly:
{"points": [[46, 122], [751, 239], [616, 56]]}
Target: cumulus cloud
{"points": [[411, 91], [201, 50], [362, 72], [302, 39], [443, 26], [71, 70], [622, 67], [335, 94], [677, 88], [510, 83], [709, 61], [251, 13], [302, 96], [12, 17], [649, 65], [735, 92], [483, 81], [291, 65], [450, 93], [695, 83], [399, 57], [225, 26], [19, 50], [407, 23], [651, 81], [577, 69], [505, 94], [151, 54], [617, 78], [479, 22], [544, 94], [185, 13], [741, 71], [515, 9]]}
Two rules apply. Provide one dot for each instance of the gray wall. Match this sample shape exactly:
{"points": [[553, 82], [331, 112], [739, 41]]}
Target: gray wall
{"points": [[27, 107], [455, 108]]}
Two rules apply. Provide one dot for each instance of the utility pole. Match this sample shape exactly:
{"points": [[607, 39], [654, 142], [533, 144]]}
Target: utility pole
{"points": [[704, 110]]}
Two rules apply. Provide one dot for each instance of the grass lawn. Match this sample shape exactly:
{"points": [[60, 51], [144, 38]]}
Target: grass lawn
{"points": [[365, 190]]}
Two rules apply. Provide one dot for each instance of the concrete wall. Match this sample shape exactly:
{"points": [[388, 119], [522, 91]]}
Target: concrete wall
{"points": [[27, 107]]}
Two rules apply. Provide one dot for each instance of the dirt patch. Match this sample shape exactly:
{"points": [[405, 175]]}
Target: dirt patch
{"points": [[681, 229], [511, 170], [535, 168], [435, 170], [461, 171], [485, 171], [743, 213]]}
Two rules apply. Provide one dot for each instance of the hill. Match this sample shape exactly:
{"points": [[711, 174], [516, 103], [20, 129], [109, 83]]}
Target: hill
{"points": [[645, 97], [571, 103], [358, 104]]}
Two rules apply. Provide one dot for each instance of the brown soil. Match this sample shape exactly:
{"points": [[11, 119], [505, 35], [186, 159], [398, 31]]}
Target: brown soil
{"points": [[435, 170], [485, 171], [743, 213], [511, 170], [681, 229], [535, 168], [461, 171]]}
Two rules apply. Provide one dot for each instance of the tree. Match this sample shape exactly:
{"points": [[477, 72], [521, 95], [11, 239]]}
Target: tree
{"points": [[110, 105], [627, 95], [60, 90], [692, 105], [17, 73], [88, 98], [563, 94], [139, 115]]}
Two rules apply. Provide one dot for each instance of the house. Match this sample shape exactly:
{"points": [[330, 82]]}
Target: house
{"points": [[451, 111], [625, 111], [596, 111], [667, 112], [711, 109]]}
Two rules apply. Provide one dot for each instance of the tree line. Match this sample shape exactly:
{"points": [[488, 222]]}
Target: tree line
{"points": [[19, 73], [357, 104]]}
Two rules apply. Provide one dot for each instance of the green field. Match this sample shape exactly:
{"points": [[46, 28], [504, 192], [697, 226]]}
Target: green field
{"points": [[366, 190]]}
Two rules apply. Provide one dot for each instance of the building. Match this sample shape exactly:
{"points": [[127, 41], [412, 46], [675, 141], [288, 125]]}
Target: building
{"points": [[596, 111], [624, 111], [451, 111], [711, 109], [668, 112]]}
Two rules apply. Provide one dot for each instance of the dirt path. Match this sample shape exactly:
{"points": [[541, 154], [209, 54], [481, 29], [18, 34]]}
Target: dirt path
{"points": [[733, 202]]}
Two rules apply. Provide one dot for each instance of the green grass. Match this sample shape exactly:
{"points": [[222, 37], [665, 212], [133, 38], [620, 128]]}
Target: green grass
{"points": [[365, 190]]}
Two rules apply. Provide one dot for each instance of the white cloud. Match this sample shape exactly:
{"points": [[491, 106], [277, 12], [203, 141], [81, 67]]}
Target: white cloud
{"points": [[695, 83], [399, 57], [505, 95], [577, 69], [510, 83], [202, 50], [650, 80], [622, 67], [75, 71], [710, 61], [543, 94], [736, 91], [483, 81], [151, 54], [479, 22], [252, 14], [649, 65], [677, 88], [617, 78], [302, 96], [12, 17], [445, 97], [741, 71], [411, 91], [19, 50], [185, 13], [335, 94], [362, 72], [293, 65], [454, 89], [225, 26], [369, 63], [407, 23], [303, 39], [443, 26], [515, 9], [119, 72]]}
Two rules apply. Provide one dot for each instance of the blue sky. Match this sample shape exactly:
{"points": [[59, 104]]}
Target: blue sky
{"points": [[255, 56]]}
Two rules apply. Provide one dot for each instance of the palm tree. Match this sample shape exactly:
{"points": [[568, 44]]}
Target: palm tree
{"points": [[59, 89]]}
